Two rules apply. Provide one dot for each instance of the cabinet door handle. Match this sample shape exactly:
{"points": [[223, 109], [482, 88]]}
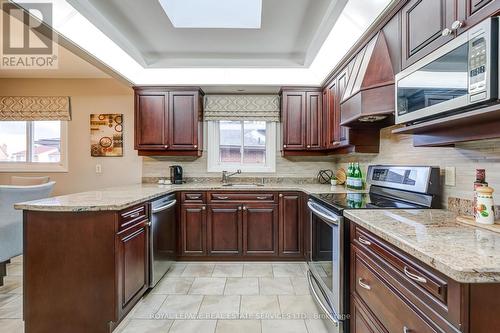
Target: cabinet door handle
{"points": [[446, 32], [133, 216], [244, 208], [308, 146], [203, 207], [406, 330], [261, 198], [284, 146], [364, 241], [195, 146], [280, 195], [364, 285], [414, 277], [149, 223], [457, 25], [222, 198], [336, 143], [166, 146], [239, 208]]}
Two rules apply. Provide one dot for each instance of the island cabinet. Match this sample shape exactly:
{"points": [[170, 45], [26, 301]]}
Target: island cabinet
{"points": [[84, 271], [168, 121], [392, 291], [239, 225]]}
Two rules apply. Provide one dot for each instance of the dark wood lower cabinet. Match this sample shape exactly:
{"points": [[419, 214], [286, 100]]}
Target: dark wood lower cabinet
{"points": [[394, 292], [260, 229], [133, 266], [290, 224], [224, 229], [193, 229]]}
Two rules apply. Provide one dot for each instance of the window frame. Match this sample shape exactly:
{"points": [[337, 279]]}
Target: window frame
{"points": [[61, 166], [213, 144]]}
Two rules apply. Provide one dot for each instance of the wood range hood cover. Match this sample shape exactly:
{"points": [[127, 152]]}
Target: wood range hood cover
{"points": [[369, 97]]}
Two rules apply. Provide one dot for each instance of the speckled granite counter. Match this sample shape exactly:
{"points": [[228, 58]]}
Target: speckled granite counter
{"points": [[117, 198], [465, 254]]}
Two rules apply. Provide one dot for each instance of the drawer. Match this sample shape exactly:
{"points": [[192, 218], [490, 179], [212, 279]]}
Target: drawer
{"points": [[193, 197], [242, 197], [131, 216], [429, 291], [394, 313], [433, 284]]}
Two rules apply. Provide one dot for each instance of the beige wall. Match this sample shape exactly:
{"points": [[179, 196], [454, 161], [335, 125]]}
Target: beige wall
{"points": [[465, 157], [87, 96]]}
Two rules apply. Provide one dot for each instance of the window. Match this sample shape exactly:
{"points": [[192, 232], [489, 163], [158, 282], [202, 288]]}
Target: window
{"points": [[246, 145], [33, 146]]}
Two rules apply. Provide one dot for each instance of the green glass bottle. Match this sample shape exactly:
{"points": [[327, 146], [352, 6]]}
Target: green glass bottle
{"points": [[349, 175], [356, 177]]}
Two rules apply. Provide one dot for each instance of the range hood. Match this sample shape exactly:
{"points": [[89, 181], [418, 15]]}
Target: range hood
{"points": [[369, 96]]}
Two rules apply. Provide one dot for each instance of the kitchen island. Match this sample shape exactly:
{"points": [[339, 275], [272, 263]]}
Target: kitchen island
{"points": [[86, 254]]}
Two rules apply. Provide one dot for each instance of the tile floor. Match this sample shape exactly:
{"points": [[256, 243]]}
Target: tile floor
{"points": [[205, 298]]}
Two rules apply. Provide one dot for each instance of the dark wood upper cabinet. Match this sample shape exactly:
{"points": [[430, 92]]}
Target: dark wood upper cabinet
{"points": [[471, 12], [341, 137], [290, 224], [184, 116], [168, 121], [314, 120], [422, 26], [260, 229], [193, 229], [224, 229], [294, 120], [150, 114]]}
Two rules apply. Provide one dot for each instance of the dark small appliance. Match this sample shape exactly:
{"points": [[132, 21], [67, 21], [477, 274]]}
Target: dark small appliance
{"points": [[176, 174]]}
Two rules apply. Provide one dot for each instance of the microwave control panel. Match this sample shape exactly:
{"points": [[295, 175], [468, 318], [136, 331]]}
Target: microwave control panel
{"points": [[477, 65]]}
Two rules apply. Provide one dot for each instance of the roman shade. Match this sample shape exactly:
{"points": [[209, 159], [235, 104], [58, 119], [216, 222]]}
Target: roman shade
{"points": [[242, 107], [28, 108]]}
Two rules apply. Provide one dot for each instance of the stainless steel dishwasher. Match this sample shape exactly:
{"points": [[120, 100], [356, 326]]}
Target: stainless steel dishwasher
{"points": [[162, 237]]}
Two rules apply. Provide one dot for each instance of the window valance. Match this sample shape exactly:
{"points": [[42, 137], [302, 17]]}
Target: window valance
{"points": [[242, 107], [29, 108]]}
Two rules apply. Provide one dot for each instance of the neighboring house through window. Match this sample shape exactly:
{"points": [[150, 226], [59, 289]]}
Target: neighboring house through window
{"points": [[33, 146]]}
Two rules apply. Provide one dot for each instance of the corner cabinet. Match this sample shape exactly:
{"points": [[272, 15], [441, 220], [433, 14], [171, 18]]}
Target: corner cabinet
{"points": [[168, 121], [302, 112]]}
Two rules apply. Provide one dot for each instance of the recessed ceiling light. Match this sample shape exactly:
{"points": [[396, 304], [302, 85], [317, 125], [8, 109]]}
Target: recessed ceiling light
{"points": [[222, 14]]}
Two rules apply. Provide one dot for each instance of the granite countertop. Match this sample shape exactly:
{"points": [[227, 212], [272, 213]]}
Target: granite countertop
{"points": [[464, 253], [118, 198]]}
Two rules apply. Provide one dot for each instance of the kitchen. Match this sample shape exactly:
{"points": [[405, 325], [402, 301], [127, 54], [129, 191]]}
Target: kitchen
{"points": [[182, 172]]}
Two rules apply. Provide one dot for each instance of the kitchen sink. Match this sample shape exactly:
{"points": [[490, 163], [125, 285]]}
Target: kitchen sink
{"points": [[243, 185]]}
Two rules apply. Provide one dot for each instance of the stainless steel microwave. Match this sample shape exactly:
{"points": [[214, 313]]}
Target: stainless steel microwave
{"points": [[459, 75]]}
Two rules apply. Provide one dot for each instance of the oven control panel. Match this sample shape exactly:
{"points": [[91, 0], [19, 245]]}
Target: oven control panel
{"points": [[478, 60]]}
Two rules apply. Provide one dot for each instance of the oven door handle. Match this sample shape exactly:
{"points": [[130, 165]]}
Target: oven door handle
{"points": [[333, 317], [328, 218]]}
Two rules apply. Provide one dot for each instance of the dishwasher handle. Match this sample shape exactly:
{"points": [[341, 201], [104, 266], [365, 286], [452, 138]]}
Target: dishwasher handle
{"points": [[162, 208]]}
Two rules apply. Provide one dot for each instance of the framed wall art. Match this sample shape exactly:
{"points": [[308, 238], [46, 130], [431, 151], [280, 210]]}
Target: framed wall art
{"points": [[106, 135]]}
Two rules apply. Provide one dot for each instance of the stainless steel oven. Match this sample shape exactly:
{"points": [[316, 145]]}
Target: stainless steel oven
{"points": [[327, 257], [459, 75]]}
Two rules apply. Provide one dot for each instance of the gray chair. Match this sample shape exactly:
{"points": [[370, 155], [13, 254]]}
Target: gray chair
{"points": [[11, 220]]}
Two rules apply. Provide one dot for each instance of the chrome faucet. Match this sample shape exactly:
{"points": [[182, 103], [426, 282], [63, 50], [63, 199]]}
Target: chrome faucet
{"points": [[226, 175]]}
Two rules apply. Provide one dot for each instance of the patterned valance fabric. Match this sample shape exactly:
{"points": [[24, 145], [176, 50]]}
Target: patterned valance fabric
{"points": [[242, 107], [27, 108]]}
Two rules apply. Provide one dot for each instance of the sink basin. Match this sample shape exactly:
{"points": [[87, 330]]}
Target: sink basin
{"points": [[242, 185]]}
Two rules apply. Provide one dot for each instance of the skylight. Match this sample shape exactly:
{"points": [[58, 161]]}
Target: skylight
{"points": [[222, 14]]}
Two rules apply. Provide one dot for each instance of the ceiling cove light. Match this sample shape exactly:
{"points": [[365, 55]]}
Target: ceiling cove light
{"points": [[352, 22], [217, 14]]}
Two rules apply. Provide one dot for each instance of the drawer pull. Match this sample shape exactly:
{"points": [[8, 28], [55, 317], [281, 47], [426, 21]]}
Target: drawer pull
{"points": [[261, 198], [193, 196], [364, 241], [364, 285], [406, 330], [133, 216], [222, 198], [413, 276]]}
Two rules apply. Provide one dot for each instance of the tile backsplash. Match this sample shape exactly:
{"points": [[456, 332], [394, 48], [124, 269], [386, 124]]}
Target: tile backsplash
{"points": [[465, 157], [394, 149]]}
